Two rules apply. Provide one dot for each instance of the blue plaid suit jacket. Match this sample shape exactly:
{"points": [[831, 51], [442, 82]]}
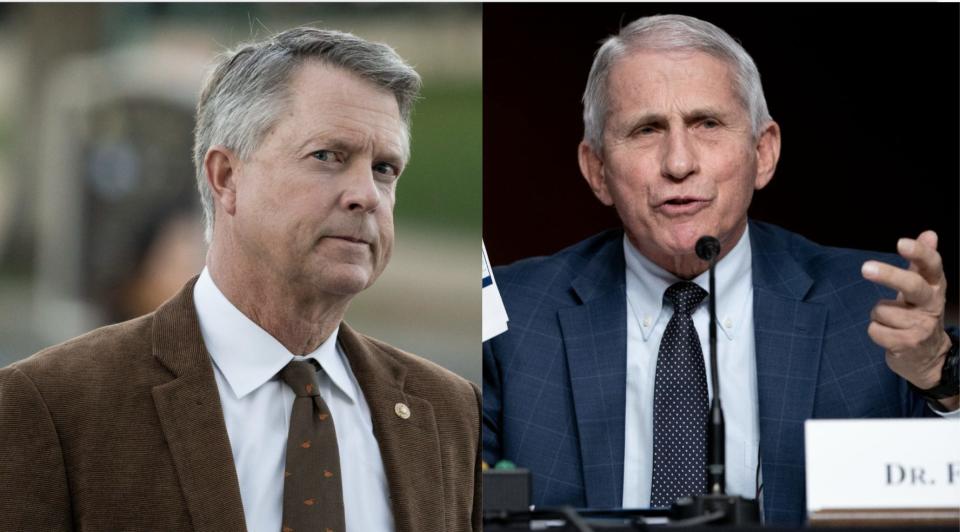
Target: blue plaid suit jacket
{"points": [[554, 385]]}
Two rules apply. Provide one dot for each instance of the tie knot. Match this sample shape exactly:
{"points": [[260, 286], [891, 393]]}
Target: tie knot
{"points": [[685, 296], [301, 376]]}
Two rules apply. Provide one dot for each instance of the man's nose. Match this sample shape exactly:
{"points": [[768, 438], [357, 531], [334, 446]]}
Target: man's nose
{"points": [[360, 192], [680, 157]]}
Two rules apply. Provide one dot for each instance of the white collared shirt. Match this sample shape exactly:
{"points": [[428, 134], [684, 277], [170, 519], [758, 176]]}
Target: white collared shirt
{"points": [[647, 319], [257, 405]]}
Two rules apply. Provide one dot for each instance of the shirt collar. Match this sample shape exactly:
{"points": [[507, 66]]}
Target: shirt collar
{"points": [[334, 362], [249, 356], [646, 283]]}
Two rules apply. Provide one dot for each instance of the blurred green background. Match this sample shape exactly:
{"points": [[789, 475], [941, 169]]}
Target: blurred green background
{"points": [[98, 208]]}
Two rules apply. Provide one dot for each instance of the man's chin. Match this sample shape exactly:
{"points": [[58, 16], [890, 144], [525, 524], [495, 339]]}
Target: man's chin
{"points": [[347, 285], [677, 245], [683, 242], [343, 280], [674, 242]]}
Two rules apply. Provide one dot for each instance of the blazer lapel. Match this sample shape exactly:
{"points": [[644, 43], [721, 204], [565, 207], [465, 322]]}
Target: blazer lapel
{"points": [[789, 335], [192, 418], [595, 341], [410, 447]]}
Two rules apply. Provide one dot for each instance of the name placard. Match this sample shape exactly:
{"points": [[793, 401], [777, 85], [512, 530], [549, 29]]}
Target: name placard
{"points": [[882, 464]]}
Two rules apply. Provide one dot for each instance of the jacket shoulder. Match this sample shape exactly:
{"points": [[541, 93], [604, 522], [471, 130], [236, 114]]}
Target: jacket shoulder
{"points": [[552, 273], [103, 359], [819, 261], [106, 344], [835, 272]]}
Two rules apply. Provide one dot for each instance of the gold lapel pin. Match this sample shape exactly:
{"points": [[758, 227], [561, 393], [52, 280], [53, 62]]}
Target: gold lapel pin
{"points": [[402, 410]]}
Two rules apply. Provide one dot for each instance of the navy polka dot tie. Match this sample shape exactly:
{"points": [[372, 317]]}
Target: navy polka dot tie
{"points": [[680, 404]]}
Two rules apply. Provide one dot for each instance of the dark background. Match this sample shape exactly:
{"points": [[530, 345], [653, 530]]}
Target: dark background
{"points": [[866, 97]]}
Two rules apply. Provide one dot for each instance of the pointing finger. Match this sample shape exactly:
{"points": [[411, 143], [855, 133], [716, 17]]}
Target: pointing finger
{"points": [[913, 288]]}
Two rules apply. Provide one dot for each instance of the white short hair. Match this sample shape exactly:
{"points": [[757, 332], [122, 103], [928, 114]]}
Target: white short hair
{"points": [[670, 33]]}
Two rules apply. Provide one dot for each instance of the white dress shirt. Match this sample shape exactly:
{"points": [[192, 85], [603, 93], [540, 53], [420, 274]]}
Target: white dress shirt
{"points": [[647, 319], [257, 405]]}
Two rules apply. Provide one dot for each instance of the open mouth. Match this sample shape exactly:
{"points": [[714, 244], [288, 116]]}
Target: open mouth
{"points": [[683, 205]]}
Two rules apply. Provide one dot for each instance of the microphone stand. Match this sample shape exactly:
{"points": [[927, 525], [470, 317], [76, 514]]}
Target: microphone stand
{"points": [[715, 506]]}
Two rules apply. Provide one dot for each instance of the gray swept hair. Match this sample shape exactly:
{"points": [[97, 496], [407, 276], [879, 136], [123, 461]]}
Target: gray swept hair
{"points": [[247, 90], [670, 33]]}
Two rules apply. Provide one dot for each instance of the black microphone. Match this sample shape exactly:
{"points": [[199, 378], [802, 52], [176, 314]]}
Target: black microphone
{"points": [[714, 506], [708, 249]]}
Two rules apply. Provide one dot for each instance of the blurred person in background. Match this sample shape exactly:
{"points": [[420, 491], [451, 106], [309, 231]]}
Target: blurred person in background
{"points": [[245, 401], [165, 251]]}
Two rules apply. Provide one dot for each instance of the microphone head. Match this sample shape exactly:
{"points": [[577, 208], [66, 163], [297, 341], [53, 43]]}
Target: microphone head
{"points": [[708, 248]]}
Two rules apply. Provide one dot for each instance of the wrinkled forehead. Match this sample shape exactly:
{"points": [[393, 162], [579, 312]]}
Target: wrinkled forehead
{"points": [[339, 97], [639, 74]]}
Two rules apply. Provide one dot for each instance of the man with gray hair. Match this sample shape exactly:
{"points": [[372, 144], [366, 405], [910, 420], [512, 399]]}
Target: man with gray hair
{"points": [[245, 401], [600, 385]]}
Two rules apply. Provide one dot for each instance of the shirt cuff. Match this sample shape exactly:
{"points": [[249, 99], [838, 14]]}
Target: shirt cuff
{"points": [[955, 414]]}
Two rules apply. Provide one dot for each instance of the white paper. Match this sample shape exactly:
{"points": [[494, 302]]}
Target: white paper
{"points": [[882, 463], [494, 315]]}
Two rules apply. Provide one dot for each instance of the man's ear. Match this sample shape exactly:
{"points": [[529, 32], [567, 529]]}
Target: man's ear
{"points": [[221, 165], [591, 166], [768, 153]]}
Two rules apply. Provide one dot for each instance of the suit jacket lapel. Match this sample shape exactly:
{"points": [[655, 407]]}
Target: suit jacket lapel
{"points": [[410, 447], [192, 418], [595, 340], [789, 335]]}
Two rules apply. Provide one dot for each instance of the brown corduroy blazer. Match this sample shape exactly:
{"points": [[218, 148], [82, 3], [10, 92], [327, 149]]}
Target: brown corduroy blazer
{"points": [[122, 429]]}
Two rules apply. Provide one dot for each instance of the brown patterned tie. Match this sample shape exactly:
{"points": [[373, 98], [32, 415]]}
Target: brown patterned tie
{"points": [[312, 494]]}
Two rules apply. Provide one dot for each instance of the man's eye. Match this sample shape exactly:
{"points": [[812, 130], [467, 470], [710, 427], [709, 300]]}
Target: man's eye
{"points": [[645, 130], [710, 123], [327, 156], [386, 169]]}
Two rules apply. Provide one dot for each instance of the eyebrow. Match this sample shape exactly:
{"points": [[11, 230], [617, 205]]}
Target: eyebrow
{"points": [[328, 143], [332, 142], [688, 117], [339, 143]]}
